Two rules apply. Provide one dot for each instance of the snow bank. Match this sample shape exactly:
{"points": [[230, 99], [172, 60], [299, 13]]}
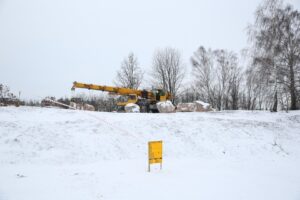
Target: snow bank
{"points": [[56, 135], [91, 155]]}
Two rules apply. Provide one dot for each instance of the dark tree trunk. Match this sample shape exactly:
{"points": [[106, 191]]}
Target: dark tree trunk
{"points": [[293, 89], [274, 109]]}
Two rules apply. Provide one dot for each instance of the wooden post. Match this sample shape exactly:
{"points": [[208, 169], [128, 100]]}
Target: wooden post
{"points": [[148, 156]]}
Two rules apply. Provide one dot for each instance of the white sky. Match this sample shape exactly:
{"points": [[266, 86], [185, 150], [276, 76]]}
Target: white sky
{"points": [[45, 45]]}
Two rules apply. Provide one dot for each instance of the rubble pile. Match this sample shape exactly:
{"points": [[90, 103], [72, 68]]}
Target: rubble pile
{"points": [[186, 107], [196, 106], [81, 106], [165, 107]]}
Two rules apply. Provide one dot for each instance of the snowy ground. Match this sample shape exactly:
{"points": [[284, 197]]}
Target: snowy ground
{"points": [[48, 153]]}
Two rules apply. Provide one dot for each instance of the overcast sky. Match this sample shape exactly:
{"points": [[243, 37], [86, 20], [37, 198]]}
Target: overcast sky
{"points": [[45, 45]]}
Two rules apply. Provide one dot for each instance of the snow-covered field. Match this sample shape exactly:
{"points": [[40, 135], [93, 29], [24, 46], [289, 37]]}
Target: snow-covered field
{"points": [[48, 153]]}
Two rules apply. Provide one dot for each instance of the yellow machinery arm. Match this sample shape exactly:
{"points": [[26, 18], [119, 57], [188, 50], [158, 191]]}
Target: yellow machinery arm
{"points": [[117, 90]]}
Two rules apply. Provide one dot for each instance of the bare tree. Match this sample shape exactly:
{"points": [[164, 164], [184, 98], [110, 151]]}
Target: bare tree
{"points": [[234, 87], [228, 76], [4, 91], [189, 94], [275, 37], [203, 71], [217, 77], [7, 97], [130, 75], [168, 70], [256, 90]]}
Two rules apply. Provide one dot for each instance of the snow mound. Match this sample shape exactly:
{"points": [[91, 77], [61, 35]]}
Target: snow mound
{"points": [[165, 107], [97, 155], [49, 135], [201, 104], [132, 108]]}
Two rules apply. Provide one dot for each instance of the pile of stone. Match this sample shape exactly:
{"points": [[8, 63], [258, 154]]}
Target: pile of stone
{"points": [[81, 106], [196, 106], [186, 107], [88, 107], [165, 107], [202, 106]]}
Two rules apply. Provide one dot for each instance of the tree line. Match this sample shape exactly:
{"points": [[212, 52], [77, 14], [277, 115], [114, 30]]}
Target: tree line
{"points": [[270, 79]]}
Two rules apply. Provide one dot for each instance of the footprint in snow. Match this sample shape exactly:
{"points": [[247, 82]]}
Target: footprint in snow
{"points": [[20, 176]]}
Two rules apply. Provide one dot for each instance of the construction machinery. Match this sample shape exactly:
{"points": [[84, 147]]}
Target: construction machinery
{"points": [[145, 99]]}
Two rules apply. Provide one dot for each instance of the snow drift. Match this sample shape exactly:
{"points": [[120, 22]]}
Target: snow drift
{"points": [[57, 135], [91, 155]]}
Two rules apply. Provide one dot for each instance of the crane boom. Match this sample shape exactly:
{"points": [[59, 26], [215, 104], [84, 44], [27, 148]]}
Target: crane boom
{"points": [[117, 90]]}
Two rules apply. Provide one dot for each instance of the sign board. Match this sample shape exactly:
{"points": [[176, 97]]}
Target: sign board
{"points": [[154, 153]]}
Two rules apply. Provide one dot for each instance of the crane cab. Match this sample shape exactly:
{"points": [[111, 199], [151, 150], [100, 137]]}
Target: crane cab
{"points": [[159, 95]]}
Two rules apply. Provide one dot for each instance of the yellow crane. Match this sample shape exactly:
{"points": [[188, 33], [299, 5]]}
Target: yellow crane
{"points": [[145, 99]]}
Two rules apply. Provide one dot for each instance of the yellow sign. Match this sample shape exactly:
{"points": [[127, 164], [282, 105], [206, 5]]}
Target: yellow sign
{"points": [[154, 153]]}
